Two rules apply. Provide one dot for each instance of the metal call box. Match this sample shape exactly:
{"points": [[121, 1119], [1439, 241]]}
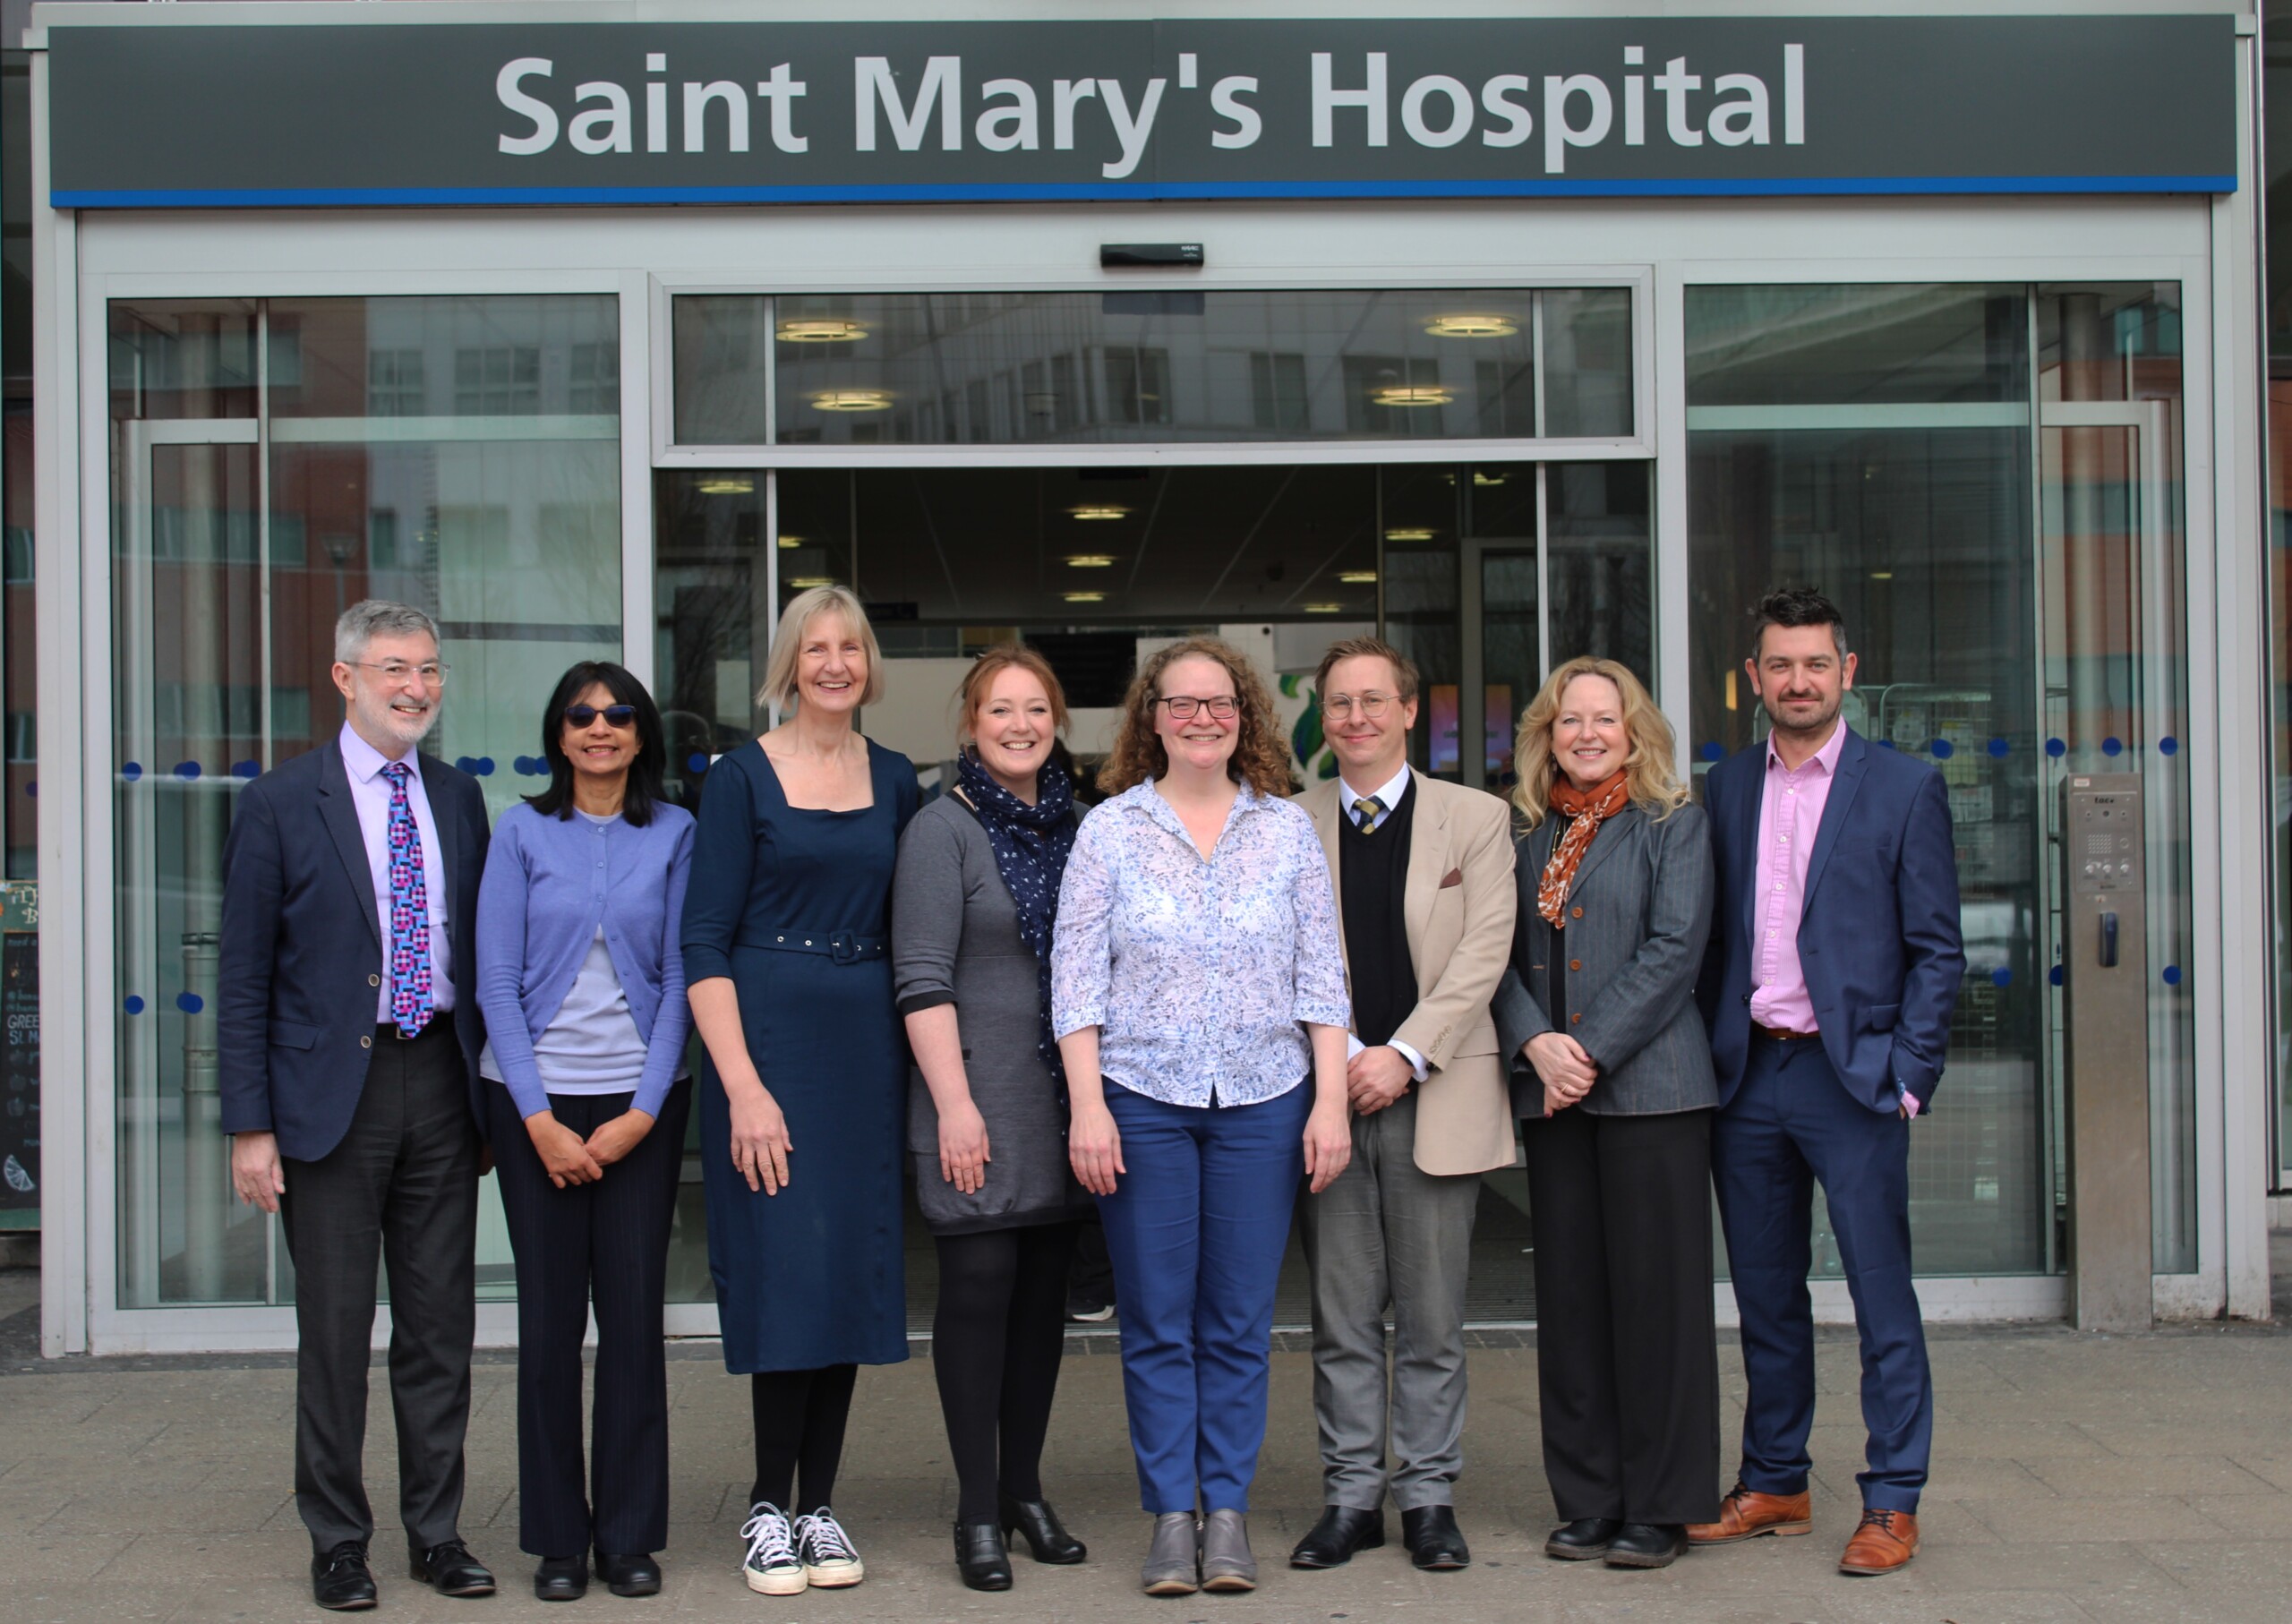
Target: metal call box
{"points": [[2105, 1007]]}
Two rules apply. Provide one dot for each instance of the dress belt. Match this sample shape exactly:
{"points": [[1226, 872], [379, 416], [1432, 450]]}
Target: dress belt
{"points": [[1781, 1034], [843, 946]]}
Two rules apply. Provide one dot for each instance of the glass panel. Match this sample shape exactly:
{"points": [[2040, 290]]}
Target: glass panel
{"points": [[1828, 346], [1588, 361], [2116, 669], [1094, 368], [1417, 511], [173, 358], [1599, 541]]}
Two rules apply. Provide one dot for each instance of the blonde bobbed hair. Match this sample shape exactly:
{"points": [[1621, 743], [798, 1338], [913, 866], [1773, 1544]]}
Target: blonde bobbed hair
{"points": [[1647, 766], [788, 641]]}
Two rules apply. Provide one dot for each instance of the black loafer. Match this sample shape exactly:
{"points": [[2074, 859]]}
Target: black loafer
{"points": [[1047, 1538], [561, 1579], [1648, 1545], [450, 1569], [1342, 1531], [340, 1580], [635, 1575], [1433, 1542], [981, 1556], [1582, 1540]]}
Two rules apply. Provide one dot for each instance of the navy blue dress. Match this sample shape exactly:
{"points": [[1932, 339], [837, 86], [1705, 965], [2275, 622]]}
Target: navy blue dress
{"points": [[813, 1276]]}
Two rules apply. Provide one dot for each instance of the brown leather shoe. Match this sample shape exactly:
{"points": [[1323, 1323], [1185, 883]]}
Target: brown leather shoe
{"points": [[1885, 1541], [1746, 1514]]}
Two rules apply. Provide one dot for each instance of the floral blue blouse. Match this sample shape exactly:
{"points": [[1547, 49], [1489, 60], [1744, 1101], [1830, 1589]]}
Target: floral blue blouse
{"points": [[1198, 973]]}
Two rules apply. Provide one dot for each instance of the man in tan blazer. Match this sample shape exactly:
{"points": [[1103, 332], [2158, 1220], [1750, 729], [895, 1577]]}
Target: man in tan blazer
{"points": [[1423, 872]]}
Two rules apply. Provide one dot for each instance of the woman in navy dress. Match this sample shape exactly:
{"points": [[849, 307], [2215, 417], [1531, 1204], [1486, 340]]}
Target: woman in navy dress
{"points": [[803, 1107]]}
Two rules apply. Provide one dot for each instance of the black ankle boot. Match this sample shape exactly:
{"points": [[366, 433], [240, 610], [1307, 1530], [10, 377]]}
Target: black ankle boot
{"points": [[981, 1556], [1045, 1535]]}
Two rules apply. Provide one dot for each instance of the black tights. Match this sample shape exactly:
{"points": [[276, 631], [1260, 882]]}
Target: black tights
{"points": [[995, 1340], [799, 1417]]}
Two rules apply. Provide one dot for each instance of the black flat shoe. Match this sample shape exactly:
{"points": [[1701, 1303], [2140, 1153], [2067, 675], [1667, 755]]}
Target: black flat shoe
{"points": [[1342, 1531], [635, 1575], [450, 1569], [561, 1579], [1431, 1535], [1648, 1545], [340, 1580], [1582, 1540], [981, 1556], [1047, 1538]]}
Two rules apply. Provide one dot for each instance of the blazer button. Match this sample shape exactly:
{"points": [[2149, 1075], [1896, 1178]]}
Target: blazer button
{"points": [[366, 1042], [373, 981], [1575, 964], [1575, 913], [1575, 1018]]}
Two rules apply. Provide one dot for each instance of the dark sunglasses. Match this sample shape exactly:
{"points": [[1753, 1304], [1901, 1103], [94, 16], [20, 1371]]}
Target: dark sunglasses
{"points": [[585, 715]]}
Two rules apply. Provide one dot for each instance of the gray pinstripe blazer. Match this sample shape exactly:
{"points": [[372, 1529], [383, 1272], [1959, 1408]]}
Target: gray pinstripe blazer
{"points": [[1638, 914]]}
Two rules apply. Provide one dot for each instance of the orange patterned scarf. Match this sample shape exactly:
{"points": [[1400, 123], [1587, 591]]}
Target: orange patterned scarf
{"points": [[1586, 810]]}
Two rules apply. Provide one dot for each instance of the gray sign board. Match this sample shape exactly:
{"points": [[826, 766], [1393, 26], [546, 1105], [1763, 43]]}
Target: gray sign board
{"points": [[492, 113]]}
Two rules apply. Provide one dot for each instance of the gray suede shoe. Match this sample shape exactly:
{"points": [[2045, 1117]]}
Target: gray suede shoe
{"points": [[1227, 1564], [1173, 1562]]}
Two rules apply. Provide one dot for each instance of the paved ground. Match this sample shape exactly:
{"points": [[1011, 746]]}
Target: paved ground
{"points": [[2076, 1478]]}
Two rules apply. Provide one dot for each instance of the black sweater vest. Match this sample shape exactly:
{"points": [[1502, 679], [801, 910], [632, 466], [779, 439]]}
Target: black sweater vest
{"points": [[1372, 882]]}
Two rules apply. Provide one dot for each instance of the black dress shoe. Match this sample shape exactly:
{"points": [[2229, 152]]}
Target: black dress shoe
{"points": [[340, 1580], [1342, 1531], [629, 1576], [1434, 1544], [981, 1556], [1648, 1545], [1047, 1538], [561, 1579], [1582, 1540], [450, 1569]]}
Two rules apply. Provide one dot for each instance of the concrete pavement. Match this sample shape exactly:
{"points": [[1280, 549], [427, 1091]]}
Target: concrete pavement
{"points": [[2076, 1478]]}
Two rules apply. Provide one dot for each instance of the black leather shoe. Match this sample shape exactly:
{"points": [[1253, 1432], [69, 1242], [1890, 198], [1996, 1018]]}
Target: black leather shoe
{"points": [[1342, 1531], [561, 1579], [635, 1575], [1648, 1545], [1582, 1540], [1047, 1538], [1434, 1544], [450, 1569], [340, 1580], [981, 1556]]}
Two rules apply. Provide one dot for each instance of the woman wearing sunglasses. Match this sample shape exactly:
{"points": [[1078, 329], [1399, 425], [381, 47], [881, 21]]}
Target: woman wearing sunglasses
{"points": [[582, 984]]}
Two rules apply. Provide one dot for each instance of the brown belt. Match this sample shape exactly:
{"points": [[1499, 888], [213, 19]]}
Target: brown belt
{"points": [[1781, 1034]]}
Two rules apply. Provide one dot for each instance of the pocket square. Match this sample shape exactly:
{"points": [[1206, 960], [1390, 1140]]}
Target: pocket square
{"points": [[1455, 876]]}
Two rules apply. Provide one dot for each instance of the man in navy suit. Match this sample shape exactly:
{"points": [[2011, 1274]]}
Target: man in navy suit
{"points": [[1833, 963], [348, 1042]]}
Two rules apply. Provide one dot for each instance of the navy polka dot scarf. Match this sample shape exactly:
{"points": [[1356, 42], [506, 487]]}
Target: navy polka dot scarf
{"points": [[1030, 846]]}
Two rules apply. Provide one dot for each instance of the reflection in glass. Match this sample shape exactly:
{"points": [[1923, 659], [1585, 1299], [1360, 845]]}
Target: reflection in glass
{"points": [[1587, 362], [1598, 538], [1829, 346]]}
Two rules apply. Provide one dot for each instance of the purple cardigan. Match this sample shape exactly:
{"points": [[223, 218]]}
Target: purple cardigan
{"points": [[549, 883]]}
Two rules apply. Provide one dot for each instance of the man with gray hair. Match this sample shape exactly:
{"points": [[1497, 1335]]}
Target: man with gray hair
{"points": [[349, 1086]]}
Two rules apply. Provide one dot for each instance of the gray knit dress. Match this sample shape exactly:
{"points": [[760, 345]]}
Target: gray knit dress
{"points": [[956, 940]]}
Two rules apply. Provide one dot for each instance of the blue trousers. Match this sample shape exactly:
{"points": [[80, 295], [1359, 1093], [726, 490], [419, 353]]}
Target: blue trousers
{"points": [[1196, 1229], [1790, 1124]]}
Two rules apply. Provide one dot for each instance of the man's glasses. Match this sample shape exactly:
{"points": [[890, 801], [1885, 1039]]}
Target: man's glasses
{"points": [[585, 715], [397, 671], [1337, 707], [1186, 708]]}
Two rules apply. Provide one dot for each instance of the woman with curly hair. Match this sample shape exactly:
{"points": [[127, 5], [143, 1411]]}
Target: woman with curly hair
{"points": [[1612, 1069], [1198, 997]]}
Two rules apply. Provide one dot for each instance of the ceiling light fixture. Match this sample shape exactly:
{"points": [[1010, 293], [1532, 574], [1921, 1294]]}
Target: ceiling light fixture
{"points": [[1414, 533], [821, 329], [1358, 577], [1324, 608], [1084, 597], [1477, 324], [1090, 561], [790, 541], [852, 400], [1482, 476], [1100, 510], [725, 484], [805, 583], [1408, 395]]}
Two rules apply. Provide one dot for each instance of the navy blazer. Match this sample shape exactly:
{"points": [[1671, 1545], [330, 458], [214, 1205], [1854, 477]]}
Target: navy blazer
{"points": [[1879, 936], [301, 947]]}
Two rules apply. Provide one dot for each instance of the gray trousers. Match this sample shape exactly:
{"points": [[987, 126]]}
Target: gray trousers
{"points": [[1387, 1233], [401, 1188]]}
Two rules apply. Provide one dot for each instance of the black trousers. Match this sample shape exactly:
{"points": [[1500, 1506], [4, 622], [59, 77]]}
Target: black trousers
{"points": [[400, 1190], [998, 1335], [606, 1243], [1627, 1354]]}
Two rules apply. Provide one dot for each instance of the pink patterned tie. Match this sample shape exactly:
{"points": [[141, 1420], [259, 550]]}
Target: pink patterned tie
{"points": [[411, 993]]}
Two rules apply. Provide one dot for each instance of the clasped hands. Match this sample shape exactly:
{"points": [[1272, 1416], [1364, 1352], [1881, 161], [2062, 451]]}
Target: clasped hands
{"points": [[1567, 1072], [569, 1159]]}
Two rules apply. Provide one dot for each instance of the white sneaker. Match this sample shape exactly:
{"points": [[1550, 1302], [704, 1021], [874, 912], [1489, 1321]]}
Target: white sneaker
{"points": [[771, 1565], [830, 1562]]}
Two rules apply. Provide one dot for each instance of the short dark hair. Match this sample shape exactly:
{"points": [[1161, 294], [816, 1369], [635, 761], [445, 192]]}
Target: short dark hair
{"points": [[1796, 606], [1370, 648], [645, 773]]}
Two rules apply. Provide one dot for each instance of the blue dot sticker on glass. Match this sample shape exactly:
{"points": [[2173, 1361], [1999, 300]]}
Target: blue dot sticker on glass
{"points": [[132, 1004], [31, 788], [191, 1003], [246, 769], [467, 763], [2001, 978], [131, 771], [186, 770], [2169, 745], [1999, 748], [2055, 748], [2054, 975], [1944, 750], [1712, 750], [2112, 746], [484, 767], [2172, 975]]}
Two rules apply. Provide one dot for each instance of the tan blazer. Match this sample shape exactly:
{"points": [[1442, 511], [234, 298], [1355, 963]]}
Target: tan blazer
{"points": [[1458, 910]]}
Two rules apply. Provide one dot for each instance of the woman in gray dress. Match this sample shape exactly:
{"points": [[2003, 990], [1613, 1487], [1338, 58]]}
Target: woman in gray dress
{"points": [[974, 898]]}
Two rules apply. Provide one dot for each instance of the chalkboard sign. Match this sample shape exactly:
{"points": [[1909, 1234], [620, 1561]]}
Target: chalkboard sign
{"points": [[20, 1056]]}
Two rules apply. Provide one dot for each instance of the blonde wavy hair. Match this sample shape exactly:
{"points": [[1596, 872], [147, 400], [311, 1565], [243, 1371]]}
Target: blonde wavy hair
{"points": [[1648, 767], [1261, 757]]}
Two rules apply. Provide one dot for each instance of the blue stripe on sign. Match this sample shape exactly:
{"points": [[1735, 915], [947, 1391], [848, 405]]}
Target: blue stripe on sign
{"points": [[319, 197]]}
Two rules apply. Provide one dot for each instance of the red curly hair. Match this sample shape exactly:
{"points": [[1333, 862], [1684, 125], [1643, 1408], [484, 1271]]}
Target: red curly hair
{"points": [[1261, 757]]}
